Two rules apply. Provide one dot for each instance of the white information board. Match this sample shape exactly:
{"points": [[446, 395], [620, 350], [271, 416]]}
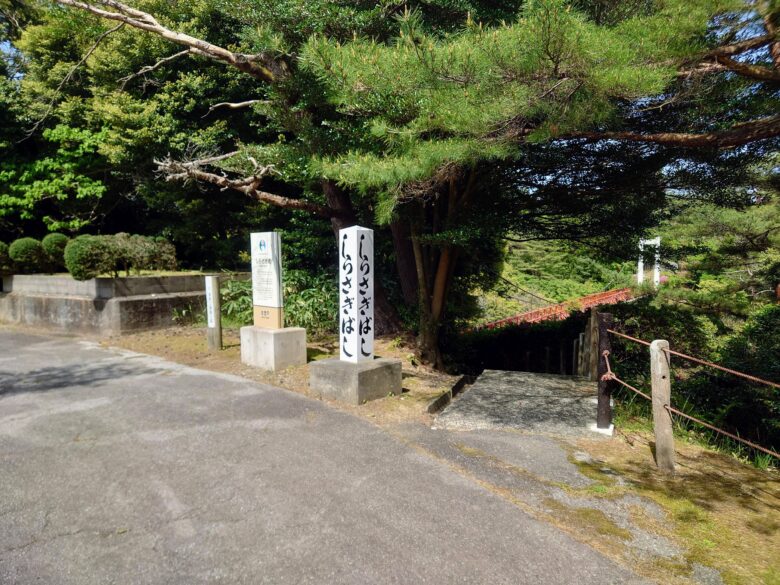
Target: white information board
{"points": [[266, 269], [356, 294]]}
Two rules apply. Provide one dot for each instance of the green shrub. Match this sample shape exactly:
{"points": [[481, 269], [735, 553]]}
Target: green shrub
{"points": [[27, 255], [89, 256], [310, 301], [128, 253], [144, 253], [236, 298], [54, 248], [96, 255], [164, 256], [6, 264]]}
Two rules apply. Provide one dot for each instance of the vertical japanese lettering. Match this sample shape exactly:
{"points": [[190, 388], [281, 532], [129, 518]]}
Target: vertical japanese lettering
{"points": [[356, 290]]}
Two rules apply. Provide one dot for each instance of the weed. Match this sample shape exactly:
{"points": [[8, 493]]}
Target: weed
{"points": [[188, 315], [763, 461]]}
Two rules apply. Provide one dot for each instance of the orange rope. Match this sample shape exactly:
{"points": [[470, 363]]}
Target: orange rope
{"points": [[723, 369], [610, 375], [701, 361], [642, 341], [721, 431]]}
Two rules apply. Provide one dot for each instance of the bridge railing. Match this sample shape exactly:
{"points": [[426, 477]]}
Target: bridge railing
{"points": [[660, 356], [562, 310]]}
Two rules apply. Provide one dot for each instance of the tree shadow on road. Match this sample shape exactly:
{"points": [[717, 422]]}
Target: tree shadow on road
{"points": [[71, 375]]}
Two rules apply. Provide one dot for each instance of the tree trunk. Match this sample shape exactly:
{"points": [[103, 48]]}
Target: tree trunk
{"points": [[436, 265], [386, 319], [404, 261], [428, 338]]}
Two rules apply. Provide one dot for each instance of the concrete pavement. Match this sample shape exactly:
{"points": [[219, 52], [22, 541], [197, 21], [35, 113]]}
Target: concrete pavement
{"points": [[122, 468]]}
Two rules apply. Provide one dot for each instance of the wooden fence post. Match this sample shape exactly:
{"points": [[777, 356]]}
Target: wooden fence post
{"points": [[581, 355], [661, 393], [562, 358], [213, 314], [593, 347], [604, 412], [575, 357]]}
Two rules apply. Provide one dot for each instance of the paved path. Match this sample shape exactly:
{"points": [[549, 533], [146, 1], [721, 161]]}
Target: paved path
{"points": [[526, 401], [121, 468]]}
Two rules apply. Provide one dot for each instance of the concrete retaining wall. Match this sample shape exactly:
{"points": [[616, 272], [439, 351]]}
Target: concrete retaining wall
{"points": [[102, 288], [105, 306]]}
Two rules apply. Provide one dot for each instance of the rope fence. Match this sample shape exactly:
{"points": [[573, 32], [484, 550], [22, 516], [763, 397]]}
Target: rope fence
{"points": [[609, 375], [722, 432], [724, 369]]}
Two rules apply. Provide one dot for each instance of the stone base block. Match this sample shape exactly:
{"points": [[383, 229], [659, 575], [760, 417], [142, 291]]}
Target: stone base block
{"points": [[273, 349], [608, 431], [355, 383]]}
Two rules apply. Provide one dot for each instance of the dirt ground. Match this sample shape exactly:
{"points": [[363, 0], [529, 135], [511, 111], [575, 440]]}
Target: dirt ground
{"points": [[187, 345]]}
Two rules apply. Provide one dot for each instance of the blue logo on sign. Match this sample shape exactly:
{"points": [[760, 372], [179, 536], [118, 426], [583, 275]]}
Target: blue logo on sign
{"points": [[262, 245]]}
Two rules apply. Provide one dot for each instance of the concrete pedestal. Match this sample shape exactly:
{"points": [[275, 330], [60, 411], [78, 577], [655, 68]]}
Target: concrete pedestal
{"points": [[355, 383], [273, 349]]}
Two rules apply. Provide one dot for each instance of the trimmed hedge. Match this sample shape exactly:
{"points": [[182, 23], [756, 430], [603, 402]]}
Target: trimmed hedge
{"points": [[54, 248], [27, 255], [89, 256]]}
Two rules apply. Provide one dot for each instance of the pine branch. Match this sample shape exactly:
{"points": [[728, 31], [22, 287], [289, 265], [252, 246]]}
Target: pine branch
{"points": [[737, 135], [259, 66], [192, 170], [738, 48], [752, 71], [233, 105], [149, 68]]}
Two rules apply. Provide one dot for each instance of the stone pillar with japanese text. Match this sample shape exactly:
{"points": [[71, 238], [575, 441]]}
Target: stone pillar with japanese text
{"points": [[357, 375], [356, 294]]}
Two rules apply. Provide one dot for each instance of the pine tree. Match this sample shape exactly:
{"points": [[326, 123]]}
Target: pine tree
{"points": [[354, 120]]}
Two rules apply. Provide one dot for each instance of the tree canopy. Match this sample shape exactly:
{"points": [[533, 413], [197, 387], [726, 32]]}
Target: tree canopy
{"points": [[455, 123]]}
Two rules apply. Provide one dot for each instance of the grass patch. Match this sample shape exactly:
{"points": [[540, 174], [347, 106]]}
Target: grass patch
{"points": [[588, 520], [722, 513]]}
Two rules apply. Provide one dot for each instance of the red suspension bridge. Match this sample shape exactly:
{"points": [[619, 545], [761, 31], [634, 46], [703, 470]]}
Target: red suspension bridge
{"points": [[561, 311]]}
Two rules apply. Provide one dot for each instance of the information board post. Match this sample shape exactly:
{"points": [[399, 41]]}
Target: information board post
{"points": [[213, 314], [267, 298], [268, 344]]}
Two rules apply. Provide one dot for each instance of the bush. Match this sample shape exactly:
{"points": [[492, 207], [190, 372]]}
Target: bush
{"points": [[27, 255], [89, 256], [164, 256], [236, 297], [310, 301], [54, 248], [95, 255], [144, 253]]}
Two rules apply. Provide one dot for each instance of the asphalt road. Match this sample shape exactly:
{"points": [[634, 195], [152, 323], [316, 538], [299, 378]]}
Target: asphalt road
{"points": [[122, 468]]}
